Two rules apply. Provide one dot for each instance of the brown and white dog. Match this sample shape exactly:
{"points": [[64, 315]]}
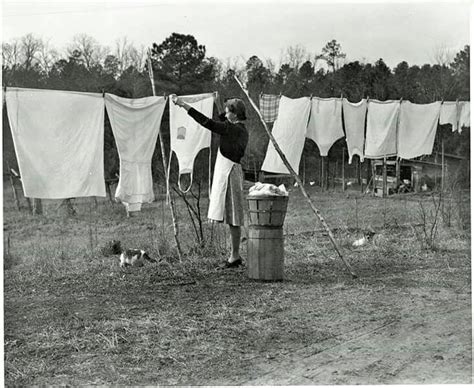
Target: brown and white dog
{"points": [[134, 258]]}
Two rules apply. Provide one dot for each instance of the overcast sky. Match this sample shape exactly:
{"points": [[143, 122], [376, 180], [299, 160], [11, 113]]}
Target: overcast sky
{"points": [[367, 31]]}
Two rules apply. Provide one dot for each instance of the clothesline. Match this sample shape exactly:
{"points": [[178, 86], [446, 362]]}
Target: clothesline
{"points": [[373, 129], [65, 128]]}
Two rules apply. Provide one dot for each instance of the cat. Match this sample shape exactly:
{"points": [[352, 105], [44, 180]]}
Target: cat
{"points": [[134, 258]]}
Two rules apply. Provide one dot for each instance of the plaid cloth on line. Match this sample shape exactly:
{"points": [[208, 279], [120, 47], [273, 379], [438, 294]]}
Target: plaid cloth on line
{"points": [[269, 104]]}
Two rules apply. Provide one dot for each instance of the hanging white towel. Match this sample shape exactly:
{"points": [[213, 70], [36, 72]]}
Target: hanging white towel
{"points": [[289, 132], [464, 115], [417, 129], [381, 136], [187, 136], [325, 123], [135, 124], [449, 114], [354, 123], [59, 142]]}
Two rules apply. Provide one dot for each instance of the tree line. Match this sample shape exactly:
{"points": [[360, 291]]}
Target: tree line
{"points": [[181, 66]]}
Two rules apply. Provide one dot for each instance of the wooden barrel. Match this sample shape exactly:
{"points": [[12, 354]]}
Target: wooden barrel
{"points": [[267, 210], [265, 255]]}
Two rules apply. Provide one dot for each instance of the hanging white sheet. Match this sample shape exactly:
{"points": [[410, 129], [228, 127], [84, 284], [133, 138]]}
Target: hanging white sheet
{"points": [[289, 131], [449, 114], [417, 129], [381, 136], [464, 115], [59, 142]]}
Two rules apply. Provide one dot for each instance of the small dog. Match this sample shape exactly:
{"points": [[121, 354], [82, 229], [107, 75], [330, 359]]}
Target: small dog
{"points": [[134, 258]]}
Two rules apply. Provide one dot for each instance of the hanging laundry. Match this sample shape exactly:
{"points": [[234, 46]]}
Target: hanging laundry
{"points": [[449, 114], [325, 123], [354, 123], [289, 132], [417, 129], [135, 125], [59, 142], [268, 104], [464, 115], [187, 136], [381, 136]]}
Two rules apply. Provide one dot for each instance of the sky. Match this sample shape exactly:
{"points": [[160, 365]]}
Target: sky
{"points": [[393, 31]]}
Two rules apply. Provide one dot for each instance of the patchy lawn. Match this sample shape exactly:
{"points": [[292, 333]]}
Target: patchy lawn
{"points": [[72, 316]]}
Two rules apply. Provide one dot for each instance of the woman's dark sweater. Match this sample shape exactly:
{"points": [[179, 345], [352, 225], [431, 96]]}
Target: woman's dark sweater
{"points": [[233, 137]]}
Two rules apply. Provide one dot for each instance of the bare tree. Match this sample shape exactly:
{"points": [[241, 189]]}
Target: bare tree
{"points": [[122, 53], [442, 55], [128, 55], [92, 53], [11, 53], [270, 64], [295, 56], [237, 66], [30, 47], [47, 56], [138, 57]]}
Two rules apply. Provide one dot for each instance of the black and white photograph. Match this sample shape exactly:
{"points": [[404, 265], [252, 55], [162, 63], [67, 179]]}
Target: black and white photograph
{"points": [[236, 193]]}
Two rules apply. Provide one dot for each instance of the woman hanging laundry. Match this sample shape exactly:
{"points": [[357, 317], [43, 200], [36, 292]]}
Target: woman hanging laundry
{"points": [[226, 200]]}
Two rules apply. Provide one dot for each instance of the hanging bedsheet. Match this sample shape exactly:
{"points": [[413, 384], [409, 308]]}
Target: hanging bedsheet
{"points": [[464, 114], [289, 132], [449, 114], [59, 142], [417, 129], [381, 136]]}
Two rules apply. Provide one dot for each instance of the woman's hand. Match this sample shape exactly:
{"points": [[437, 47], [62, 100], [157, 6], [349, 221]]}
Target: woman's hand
{"points": [[177, 101]]}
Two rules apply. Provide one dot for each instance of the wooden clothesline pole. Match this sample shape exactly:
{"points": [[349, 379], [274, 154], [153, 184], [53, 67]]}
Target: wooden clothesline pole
{"points": [[298, 180], [165, 167]]}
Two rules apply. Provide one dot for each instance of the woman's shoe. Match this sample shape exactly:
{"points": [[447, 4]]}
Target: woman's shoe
{"points": [[235, 263]]}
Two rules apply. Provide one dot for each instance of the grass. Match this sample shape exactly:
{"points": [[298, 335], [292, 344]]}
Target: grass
{"points": [[72, 316]]}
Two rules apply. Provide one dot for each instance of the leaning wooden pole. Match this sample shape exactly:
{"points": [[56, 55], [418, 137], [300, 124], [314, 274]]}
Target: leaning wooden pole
{"points": [[298, 180], [165, 166], [12, 184]]}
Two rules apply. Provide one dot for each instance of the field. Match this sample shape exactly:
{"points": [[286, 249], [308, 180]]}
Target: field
{"points": [[72, 316]]}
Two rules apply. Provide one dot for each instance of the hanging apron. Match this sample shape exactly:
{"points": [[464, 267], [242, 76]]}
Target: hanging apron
{"points": [[222, 169]]}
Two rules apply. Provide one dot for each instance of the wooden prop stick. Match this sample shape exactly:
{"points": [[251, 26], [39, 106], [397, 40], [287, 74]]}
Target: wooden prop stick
{"points": [[298, 180], [12, 183], [165, 167]]}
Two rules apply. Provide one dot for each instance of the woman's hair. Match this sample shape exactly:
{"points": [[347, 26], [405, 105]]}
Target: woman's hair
{"points": [[237, 107]]}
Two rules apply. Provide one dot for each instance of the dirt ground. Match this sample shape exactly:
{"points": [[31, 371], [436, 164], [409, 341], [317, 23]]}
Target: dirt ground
{"points": [[426, 342]]}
